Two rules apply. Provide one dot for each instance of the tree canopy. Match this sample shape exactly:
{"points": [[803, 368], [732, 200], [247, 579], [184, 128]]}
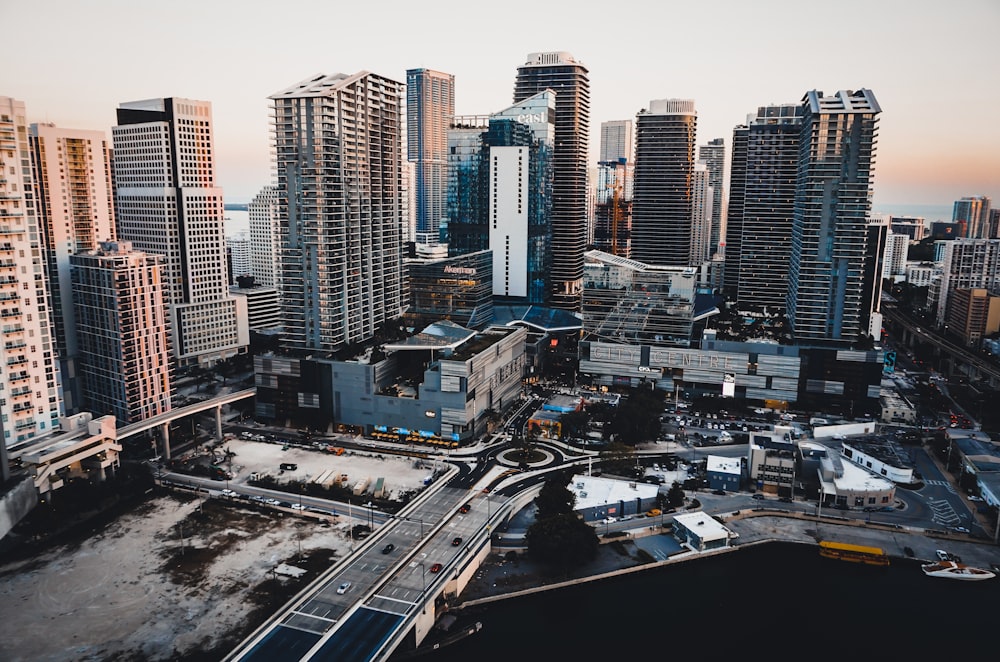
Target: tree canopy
{"points": [[559, 538]]}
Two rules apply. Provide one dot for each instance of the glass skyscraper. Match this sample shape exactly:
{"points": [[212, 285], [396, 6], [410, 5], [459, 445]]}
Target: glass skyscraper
{"points": [[829, 230], [430, 105], [567, 77]]}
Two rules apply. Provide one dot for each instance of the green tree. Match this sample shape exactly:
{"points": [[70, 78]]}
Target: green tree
{"points": [[638, 416], [554, 499], [574, 424], [561, 542], [675, 495]]}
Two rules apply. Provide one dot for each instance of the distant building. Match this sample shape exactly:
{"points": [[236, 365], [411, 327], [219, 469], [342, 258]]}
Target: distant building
{"points": [[72, 170], [167, 203], [238, 252], [825, 302], [567, 77], [973, 314], [29, 381], [430, 105], [842, 483], [724, 473], [459, 289], [920, 274], [340, 208], [973, 214], [713, 155], [263, 307], [966, 264], [914, 227], [896, 248], [662, 208], [121, 308], [265, 237], [701, 532]]}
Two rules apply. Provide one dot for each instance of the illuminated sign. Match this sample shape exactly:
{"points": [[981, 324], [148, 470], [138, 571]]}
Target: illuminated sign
{"points": [[465, 271], [532, 118]]}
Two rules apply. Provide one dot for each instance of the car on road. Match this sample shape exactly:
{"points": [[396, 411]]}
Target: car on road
{"points": [[887, 509], [943, 555], [719, 492], [465, 508], [959, 529], [298, 506], [388, 548], [758, 496], [653, 512], [343, 588], [436, 567], [456, 541]]}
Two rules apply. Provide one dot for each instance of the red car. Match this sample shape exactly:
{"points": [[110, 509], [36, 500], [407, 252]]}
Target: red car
{"points": [[436, 567], [466, 508], [455, 542]]}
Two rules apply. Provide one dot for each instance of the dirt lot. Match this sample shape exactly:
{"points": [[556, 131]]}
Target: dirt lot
{"points": [[181, 576]]}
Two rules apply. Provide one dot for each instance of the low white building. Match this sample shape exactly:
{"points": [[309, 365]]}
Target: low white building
{"points": [[598, 497], [701, 531]]}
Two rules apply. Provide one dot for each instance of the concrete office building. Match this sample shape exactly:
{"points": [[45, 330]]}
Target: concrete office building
{"points": [[761, 206], [567, 77], [124, 331], [914, 227], [458, 288], [262, 305], [339, 207], [29, 376], [72, 172], [265, 240], [965, 264], [662, 208], [832, 204], [896, 249], [167, 203], [430, 105], [238, 256]]}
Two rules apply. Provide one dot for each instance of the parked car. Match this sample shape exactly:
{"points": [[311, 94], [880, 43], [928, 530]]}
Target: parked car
{"points": [[719, 492], [758, 496], [943, 555]]}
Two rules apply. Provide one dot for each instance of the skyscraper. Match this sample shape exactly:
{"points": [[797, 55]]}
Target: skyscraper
{"points": [[567, 77], [30, 405], [430, 105], [664, 170], [617, 141], [832, 204], [124, 331], [613, 189], [339, 164], [713, 155], [167, 204], [238, 253], [701, 214], [265, 241], [974, 213], [500, 195], [761, 207], [72, 172]]}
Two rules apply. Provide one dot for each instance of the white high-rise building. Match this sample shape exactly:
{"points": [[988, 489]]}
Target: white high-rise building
{"points": [[617, 139], [896, 248], [265, 241], [124, 334], [701, 215], [338, 153], [72, 173], [30, 396], [238, 250], [167, 204]]}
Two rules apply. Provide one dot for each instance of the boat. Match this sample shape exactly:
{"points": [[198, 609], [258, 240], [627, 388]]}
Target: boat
{"points": [[853, 553], [954, 570]]}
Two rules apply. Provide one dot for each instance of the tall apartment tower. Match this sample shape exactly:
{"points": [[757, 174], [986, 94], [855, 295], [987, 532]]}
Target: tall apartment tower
{"points": [[430, 105], [30, 403], [713, 155], [238, 253], [265, 241], [617, 141], [338, 152], [167, 204], [832, 203], [761, 206], [966, 264], [662, 210], [124, 331], [974, 213], [72, 173], [567, 77], [702, 198]]}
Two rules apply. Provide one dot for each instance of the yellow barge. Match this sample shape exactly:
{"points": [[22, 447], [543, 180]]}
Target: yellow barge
{"points": [[854, 553]]}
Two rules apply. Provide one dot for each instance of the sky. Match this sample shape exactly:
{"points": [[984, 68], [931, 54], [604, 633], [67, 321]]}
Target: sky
{"points": [[933, 67]]}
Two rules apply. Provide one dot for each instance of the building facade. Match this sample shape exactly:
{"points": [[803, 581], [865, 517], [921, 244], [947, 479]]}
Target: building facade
{"points": [[713, 155], [265, 241], [973, 213], [430, 105], [339, 164], [613, 207], [832, 204], [459, 289], [662, 209], [965, 264], [761, 203], [567, 77], [124, 331], [167, 203], [30, 404], [72, 172], [238, 256]]}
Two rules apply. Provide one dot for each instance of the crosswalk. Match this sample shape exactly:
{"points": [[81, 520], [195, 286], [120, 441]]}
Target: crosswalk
{"points": [[941, 483], [944, 514]]}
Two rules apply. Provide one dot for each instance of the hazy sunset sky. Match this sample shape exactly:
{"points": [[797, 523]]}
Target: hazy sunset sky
{"points": [[933, 66]]}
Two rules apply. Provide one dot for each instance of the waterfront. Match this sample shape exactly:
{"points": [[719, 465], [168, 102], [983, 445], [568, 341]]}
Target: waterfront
{"points": [[773, 599]]}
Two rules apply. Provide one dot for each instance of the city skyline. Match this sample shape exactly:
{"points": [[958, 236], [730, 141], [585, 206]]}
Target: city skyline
{"points": [[912, 55]]}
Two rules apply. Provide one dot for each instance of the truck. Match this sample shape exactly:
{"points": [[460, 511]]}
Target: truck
{"points": [[336, 450], [361, 486], [288, 466]]}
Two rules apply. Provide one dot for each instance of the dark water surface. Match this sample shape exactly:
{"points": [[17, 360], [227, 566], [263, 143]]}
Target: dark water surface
{"points": [[774, 601]]}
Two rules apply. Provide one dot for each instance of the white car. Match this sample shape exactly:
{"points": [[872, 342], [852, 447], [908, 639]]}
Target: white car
{"points": [[343, 588], [298, 506]]}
